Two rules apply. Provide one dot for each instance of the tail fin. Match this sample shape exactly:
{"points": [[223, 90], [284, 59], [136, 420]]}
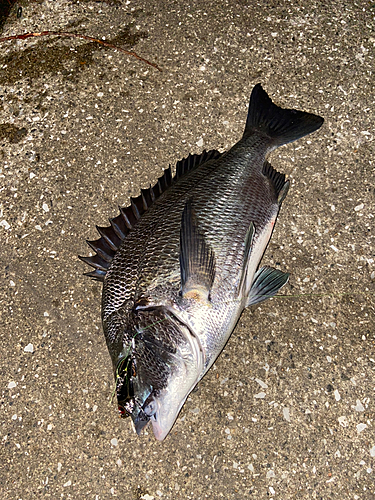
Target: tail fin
{"points": [[281, 125]]}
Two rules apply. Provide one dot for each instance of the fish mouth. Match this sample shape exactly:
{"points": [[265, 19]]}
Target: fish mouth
{"points": [[162, 406]]}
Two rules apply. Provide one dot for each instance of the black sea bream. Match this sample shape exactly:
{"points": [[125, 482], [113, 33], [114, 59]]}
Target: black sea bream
{"points": [[180, 264]]}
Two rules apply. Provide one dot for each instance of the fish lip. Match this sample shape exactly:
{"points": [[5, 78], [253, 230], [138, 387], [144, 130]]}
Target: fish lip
{"points": [[160, 434], [140, 422], [158, 431]]}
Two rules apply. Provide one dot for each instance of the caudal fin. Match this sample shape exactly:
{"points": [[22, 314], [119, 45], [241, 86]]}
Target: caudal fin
{"points": [[281, 125]]}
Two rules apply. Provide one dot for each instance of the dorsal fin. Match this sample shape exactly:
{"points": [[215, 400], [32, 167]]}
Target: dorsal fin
{"points": [[113, 235], [192, 161]]}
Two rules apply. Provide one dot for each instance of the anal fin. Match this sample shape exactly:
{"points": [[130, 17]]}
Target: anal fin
{"points": [[267, 282], [197, 258]]}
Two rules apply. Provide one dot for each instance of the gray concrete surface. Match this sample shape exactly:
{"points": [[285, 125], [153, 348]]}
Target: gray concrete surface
{"points": [[287, 412]]}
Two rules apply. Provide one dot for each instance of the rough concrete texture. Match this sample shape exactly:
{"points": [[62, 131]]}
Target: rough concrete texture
{"points": [[287, 412]]}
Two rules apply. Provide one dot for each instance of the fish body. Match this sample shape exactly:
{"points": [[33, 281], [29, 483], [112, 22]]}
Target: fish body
{"points": [[181, 263]]}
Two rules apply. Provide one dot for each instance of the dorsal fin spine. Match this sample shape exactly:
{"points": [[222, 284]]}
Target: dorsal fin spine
{"points": [[135, 208], [112, 239], [102, 249], [97, 274], [145, 194], [112, 236], [96, 261], [152, 194], [115, 223], [125, 217]]}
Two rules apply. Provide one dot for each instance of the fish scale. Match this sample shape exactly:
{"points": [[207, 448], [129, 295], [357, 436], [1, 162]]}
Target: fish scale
{"points": [[181, 263], [162, 245]]}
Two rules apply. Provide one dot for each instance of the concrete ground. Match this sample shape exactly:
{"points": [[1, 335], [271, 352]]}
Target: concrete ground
{"points": [[287, 411]]}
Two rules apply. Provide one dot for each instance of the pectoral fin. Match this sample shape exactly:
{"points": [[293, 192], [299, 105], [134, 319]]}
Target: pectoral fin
{"points": [[197, 258], [267, 282]]}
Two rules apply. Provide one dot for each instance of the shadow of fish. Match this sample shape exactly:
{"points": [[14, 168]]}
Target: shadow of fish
{"points": [[180, 264]]}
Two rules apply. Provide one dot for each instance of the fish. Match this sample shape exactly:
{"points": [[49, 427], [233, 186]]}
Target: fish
{"points": [[181, 263]]}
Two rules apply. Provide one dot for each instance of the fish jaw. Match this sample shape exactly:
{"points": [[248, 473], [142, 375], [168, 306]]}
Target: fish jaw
{"points": [[170, 401], [161, 405]]}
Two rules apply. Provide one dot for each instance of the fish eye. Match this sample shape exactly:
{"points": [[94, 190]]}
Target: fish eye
{"points": [[150, 409]]}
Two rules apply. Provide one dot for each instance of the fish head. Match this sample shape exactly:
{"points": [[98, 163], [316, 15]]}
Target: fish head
{"points": [[157, 371]]}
